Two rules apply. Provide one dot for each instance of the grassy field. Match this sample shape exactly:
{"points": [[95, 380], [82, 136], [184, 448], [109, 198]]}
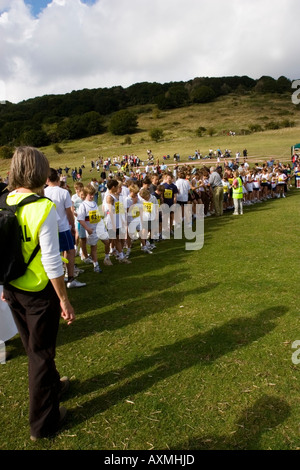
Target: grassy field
{"points": [[180, 349]]}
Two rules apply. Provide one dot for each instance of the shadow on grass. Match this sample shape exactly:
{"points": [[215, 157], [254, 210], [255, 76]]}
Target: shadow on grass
{"points": [[265, 414], [131, 311], [201, 349]]}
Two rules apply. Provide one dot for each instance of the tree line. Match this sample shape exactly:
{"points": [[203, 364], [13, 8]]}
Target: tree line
{"points": [[52, 119]]}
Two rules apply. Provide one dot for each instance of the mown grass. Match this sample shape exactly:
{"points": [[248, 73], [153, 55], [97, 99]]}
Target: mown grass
{"points": [[181, 349]]}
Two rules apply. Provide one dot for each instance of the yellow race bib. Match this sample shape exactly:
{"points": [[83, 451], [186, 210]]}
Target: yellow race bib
{"points": [[94, 217], [135, 212], [119, 207], [148, 206], [168, 194]]}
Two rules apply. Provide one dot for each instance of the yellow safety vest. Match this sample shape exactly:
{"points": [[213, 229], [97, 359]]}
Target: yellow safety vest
{"points": [[237, 193], [30, 218]]}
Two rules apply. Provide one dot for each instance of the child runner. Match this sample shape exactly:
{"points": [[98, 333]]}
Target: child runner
{"points": [[111, 208], [170, 195], [159, 194], [133, 217], [149, 215], [90, 219], [76, 200]]}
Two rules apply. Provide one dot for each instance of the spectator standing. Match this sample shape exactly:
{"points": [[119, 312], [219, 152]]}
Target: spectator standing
{"points": [[39, 297]]}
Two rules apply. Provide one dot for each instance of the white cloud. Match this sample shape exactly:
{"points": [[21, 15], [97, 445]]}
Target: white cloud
{"points": [[72, 45]]}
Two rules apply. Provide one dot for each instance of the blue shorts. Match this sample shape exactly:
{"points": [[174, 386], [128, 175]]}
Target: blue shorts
{"points": [[81, 231], [66, 241]]}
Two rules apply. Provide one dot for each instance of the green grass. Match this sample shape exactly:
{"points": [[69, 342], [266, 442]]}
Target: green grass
{"points": [[181, 349]]}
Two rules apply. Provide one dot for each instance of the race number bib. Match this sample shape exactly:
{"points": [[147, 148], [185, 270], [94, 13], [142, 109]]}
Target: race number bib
{"points": [[148, 206], [119, 208], [168, 194], [135, 212], [94, 217]]}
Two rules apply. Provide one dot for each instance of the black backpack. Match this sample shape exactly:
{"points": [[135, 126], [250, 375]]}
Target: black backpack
{"points": [[12, 265]]}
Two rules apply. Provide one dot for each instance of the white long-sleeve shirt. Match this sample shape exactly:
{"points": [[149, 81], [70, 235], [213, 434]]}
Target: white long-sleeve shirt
{"points": [[49, 243]]}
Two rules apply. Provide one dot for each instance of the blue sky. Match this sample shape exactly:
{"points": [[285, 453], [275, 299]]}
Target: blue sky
{"points": [[77, 44], [38, 5]]}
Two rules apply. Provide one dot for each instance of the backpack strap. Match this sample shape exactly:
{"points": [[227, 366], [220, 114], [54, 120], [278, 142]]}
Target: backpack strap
{"points": [[33, 254], [4, 205], [13, 208], [28, 200]]}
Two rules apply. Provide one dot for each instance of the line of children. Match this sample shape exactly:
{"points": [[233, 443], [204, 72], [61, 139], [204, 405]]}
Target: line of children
{"points": [[132, 208]]}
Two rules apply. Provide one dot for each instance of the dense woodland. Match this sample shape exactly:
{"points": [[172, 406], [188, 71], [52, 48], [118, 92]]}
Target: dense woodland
{"points": [[51, 119]]}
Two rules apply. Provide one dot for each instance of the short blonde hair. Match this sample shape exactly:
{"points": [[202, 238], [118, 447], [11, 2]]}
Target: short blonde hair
{"points": [[29, 169], [145, 193], [134, 189], [89, 189]]}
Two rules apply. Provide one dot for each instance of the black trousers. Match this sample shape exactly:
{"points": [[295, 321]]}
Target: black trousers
{"points": [[37, 315]]}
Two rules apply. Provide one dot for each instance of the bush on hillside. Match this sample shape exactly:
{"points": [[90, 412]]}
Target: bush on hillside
{"points": [[200, 130], [58, 149], [127, 140], [203, 94], [6, 152], [123, 122], [34, 138], [156, 134], [255, 127]]}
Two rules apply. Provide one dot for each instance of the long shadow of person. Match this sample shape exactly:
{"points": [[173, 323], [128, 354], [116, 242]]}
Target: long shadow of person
{"points": [[263, 416], [130, 312], [201, 349]]}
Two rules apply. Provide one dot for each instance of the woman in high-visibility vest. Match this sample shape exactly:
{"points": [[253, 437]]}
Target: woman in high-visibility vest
{"points": [[237, 193], [39, 297]]}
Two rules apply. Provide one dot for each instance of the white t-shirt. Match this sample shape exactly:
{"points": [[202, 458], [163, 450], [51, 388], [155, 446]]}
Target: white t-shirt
{"points": [[86, 212], [125, 192], [89, 213], [281, 178], [226, 186], [76, 200], [62, 200], [148, 209], [133, 210], [183, 188]]}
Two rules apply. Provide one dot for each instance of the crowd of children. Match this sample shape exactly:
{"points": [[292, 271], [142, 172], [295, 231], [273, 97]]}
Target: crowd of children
{"points": [[124, 208]]}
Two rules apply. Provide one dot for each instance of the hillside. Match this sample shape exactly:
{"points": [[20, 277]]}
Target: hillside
{"points": [[265, 124], [83, 113]]}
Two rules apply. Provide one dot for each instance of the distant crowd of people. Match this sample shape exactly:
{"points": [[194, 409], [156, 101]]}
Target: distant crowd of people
{"points": [[98, 206]]}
